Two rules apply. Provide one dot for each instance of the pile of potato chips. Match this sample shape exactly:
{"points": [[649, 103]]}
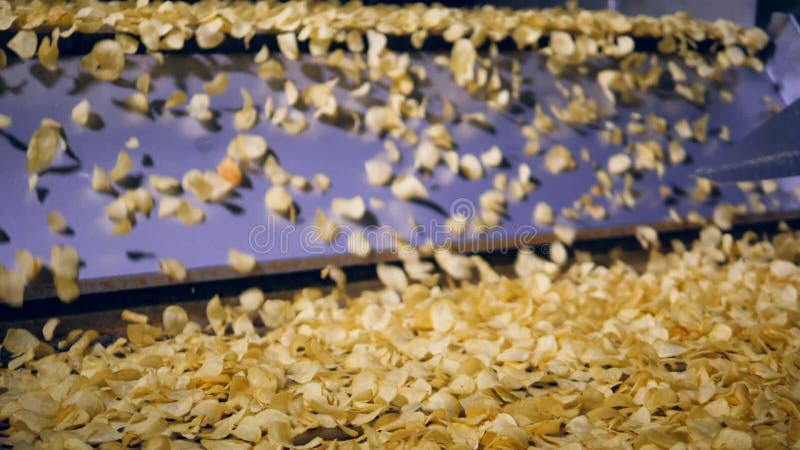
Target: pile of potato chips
{"points": [[700, 349]]}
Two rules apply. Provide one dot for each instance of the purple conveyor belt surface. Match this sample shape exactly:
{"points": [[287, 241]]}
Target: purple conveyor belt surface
{"points": [[176, 143]]}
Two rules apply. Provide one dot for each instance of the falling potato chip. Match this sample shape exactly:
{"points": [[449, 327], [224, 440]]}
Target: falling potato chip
{"points": [[100, 181], [143, 83], [138, 103], [188, 213], [559, 159], [56, 222], [173, 269], [247, 147], [427, 156], [272, 69], [23, 44], [217, 86], [122, 167], [543, 214], [176, 99], [81, 111], [229, 171], [49, 328], [206, 186], [408, 187], [133, 317], [700, 128], [361, 91], [619, 163], [64, 261], [647, 236], [326, 228], [287, 43], [352, 208], [43, 148], [294, 124], [164, 185], [106, 60], [174, 319], [492, 157], [462, 61], [132, 143], [379, 173], [48, 51], [561, 43], [392, 277], [358, 245], [245, 118], [5, 121], [322, 181], [278, 200], [471, 167], [28, 265], [241, 262]]}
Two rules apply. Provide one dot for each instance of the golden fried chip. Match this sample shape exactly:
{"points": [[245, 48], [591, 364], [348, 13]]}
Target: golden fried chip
{"points": [[106, 60], [122, 167], [241, 262], [23, 44], [57, 223], [216, 86], [173, 269]]}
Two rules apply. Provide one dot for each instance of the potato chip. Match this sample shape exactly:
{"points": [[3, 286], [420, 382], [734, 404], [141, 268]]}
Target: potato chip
{"points": [[392, 277], [241, 262], [561, 43], [133, 317], [100, 181], [48, 51], [559, 159], [164, 184], [294, 124], [291, 92], [106, 60], [379, 173], [176, 99], [279, 200], [49, 328], [352, 208], [471, 167], [81, 111], [5, 121], [217, 86], [210, 34], [43, 148], [57, 223], [462, 61], [272, 69], [543, 214], [23, 44], [122, 167], [619, 163], [173, 269], [174, 320], [28, 265], [408, 187], [358, 245], [207, 186], [287, 43], [229, 171], [322, 182], [647, 236], [138, 103]]}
